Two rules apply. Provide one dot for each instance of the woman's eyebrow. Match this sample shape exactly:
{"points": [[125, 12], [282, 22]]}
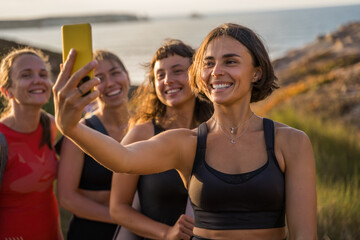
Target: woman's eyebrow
{"points": [[208, 58], [115, 68], [228, 55], [25, 70], [231, 55], [176, 65]]}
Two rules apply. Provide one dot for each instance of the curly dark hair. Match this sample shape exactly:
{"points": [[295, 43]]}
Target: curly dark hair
{"points": [[144, 103]]}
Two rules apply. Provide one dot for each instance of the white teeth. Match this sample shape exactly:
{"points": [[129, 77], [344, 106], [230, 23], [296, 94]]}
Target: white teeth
{"points": [[37, 91], [221, 86], [173, 91], [112, 93]]}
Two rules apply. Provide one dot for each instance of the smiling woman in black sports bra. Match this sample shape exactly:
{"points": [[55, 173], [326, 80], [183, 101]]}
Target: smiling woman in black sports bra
{"points": [[164, 101], [83, 184], [244, 173]]}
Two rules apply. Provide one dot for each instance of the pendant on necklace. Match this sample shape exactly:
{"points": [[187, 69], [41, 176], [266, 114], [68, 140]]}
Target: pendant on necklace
{"points": [[232, 130], [232, 141]]}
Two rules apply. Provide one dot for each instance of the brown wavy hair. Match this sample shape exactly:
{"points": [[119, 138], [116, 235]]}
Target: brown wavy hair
{"points": [[261, 88], [6, 82], [144, 103]]}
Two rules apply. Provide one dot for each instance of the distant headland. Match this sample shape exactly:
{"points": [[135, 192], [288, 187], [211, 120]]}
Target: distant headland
{"points": [[58, 21], [321, 77]]}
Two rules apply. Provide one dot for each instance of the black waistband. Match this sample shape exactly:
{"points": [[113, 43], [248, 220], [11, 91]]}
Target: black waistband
{"points": [[238, 220]]}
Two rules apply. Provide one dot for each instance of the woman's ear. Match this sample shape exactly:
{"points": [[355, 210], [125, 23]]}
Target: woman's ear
{"points": [[257, 74]]}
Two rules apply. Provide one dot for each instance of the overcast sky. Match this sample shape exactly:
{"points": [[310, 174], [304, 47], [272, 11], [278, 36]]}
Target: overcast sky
{"points": [[22, 9]]}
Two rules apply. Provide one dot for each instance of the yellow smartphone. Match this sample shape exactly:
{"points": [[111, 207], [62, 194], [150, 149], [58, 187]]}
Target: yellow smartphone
{"points": [[78, 36]]}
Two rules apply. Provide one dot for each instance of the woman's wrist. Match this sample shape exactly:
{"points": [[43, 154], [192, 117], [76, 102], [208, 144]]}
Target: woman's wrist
{"points": [[165, 231]]}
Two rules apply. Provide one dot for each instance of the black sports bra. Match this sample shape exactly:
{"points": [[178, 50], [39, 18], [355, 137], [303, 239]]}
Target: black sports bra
{"points": [[253, 200], [163, 196], [94, 176]]}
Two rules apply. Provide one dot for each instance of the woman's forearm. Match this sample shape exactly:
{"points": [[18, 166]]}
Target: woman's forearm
{"points": [[84, 207], [138, 223]]}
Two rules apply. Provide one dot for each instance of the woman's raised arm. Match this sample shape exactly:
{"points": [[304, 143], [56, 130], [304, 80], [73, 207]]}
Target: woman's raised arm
{"points": [[161, 153]]}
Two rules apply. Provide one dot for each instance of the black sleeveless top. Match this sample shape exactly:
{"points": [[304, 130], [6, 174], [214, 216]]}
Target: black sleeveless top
{"points": [[94, 176], [163, 196], [253, 200]]}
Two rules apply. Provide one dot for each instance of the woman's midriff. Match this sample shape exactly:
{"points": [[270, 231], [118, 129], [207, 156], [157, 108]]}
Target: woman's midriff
{"points": [[99, 196], [244, 234]]}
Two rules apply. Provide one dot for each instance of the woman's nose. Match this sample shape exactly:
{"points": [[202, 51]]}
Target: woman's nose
{"points": [[168, 79], [217, 71], [108, 81], [38, 78]]}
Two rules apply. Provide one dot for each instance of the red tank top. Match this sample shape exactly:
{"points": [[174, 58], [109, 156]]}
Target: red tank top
{"points": [[28, 207]]}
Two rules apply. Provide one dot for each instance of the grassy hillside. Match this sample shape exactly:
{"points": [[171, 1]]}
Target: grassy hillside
{"points": [[320, 94], [337, 155]]}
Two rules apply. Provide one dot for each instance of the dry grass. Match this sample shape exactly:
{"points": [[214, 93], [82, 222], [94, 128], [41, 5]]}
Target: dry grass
{"points": [[285, 93], [337, 154]]}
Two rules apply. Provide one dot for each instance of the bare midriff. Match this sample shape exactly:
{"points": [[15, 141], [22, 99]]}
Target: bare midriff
{"points": [[244, 234]]}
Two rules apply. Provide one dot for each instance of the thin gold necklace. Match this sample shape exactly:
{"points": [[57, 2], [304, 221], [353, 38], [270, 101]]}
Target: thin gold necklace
{"points": [[232, 129]]}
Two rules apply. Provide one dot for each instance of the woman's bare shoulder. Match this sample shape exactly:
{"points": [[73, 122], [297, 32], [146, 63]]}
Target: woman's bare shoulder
{"points": [[180, 137], [291, 141], [284, 131], [139, 132], [182, 132]]}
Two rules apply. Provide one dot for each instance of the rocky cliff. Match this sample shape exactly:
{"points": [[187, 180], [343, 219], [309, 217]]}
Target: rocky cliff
{"points": [[58, 21], [322, 78]]}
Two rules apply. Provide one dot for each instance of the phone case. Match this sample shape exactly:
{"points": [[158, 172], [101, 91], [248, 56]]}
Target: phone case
{"points": [[78, 36]]}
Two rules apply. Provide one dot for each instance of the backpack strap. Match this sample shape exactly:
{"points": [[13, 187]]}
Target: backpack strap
{"points": [[3, 157]]}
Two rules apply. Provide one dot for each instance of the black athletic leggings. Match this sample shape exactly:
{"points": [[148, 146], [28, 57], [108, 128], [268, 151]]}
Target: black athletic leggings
{"points": [[84, 229]]}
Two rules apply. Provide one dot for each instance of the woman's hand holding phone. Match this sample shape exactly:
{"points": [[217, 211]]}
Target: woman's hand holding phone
{"points": [[69, 101]]}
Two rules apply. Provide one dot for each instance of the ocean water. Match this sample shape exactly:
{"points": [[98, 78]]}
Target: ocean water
{"points": [[136, 42]]}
